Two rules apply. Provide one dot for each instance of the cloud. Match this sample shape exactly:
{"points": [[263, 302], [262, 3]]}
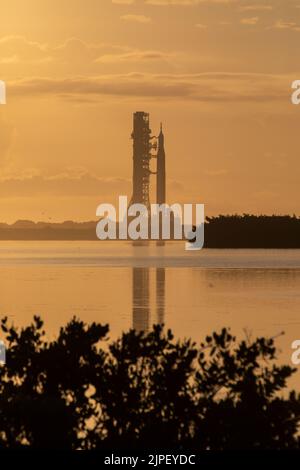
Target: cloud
{"points": [[250, 21], [256, 7], [19, 49], [201, 26], [7, 134], [136, 18], [286, 25], [206, 87], [16, 50], [72, 182], [123, 2], [134, 56], [188, 2]]}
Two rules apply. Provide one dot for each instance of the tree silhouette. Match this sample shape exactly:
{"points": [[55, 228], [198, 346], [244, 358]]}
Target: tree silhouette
{"points": [[80, 391], [252, 231]]}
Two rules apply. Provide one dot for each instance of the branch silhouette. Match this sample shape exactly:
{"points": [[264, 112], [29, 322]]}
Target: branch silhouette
{"points": [[144, 390]]}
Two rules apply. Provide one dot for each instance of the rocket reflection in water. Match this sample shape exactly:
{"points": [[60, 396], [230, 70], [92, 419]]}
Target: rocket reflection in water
{"points": [[142, 320]]}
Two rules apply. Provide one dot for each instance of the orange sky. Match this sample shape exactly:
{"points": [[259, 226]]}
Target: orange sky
{"points": [[218, 73]]}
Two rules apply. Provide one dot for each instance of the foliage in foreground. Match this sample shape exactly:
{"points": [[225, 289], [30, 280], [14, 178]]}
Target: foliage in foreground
{"points": [[143, 390]]}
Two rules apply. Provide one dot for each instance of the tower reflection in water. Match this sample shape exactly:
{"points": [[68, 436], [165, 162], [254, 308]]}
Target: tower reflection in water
{"points": [[160, 294], [141, 307]]}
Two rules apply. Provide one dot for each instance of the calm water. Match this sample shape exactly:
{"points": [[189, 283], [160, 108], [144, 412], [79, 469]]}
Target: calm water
{"points": [[257, 291]]}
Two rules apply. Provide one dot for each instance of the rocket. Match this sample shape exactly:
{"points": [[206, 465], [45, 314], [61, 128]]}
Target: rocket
{"points": [[161, 170]]}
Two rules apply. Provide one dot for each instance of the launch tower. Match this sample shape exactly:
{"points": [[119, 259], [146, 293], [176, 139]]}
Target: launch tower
{"points": [[143, 146]]}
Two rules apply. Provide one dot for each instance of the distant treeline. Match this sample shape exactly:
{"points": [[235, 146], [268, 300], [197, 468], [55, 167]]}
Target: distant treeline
{"points": [[29, 230], [223, 231], [252, 231]]}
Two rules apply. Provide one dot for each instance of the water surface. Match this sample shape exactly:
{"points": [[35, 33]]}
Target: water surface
{"points": [[254, 292]]}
